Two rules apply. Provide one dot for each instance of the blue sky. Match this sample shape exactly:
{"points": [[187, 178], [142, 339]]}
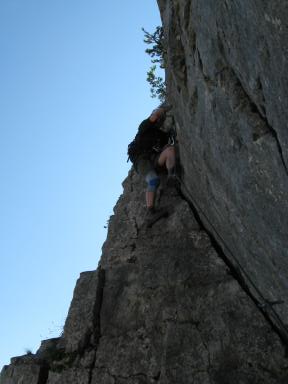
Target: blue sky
{"points": [[72, 92]]}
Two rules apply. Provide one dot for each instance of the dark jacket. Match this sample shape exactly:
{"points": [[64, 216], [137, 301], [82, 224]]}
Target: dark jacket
{"points": [[150, 138]]}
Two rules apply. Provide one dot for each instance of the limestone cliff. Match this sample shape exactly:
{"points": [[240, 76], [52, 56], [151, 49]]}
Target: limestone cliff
{"points": [[198, 298], [162, 307], [227, 80]]}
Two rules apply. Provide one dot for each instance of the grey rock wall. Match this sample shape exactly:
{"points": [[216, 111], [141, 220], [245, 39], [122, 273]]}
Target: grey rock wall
{"points": [[227, 80], [27, 369], [162, 307]]}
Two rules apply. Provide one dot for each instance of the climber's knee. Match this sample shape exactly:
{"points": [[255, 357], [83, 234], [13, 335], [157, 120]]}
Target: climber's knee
{"points": [[152, 181]]}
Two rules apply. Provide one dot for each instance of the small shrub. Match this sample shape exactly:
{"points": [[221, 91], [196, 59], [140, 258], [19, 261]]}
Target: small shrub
{"points": [[158, 88], [157, 52]]}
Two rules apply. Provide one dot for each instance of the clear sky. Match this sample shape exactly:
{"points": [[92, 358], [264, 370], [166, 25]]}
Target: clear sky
{"points": [[73, 91]]}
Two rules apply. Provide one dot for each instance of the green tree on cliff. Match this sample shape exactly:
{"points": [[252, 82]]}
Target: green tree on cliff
{"points": [[157, 53]]}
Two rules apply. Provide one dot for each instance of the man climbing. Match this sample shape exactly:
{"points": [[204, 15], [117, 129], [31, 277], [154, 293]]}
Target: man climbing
{"points": [[152, 151]]}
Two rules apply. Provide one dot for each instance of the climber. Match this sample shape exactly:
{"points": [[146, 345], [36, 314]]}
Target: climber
{"points": [[151, 151]]}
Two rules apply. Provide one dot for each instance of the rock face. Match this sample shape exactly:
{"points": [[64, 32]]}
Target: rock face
{"points": [[227, 80], [183, 302], [162, 307]]}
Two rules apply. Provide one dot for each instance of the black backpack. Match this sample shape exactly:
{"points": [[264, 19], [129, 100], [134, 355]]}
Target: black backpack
{"points": [[147, 140], [134, 150]]}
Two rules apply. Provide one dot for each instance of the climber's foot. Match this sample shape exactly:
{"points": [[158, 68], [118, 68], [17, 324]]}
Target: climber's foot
{"points": [[153, 215], [172, 181]]}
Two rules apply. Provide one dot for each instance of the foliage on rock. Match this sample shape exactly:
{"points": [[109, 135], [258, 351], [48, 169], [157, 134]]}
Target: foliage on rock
{"points": [[157, 53]]}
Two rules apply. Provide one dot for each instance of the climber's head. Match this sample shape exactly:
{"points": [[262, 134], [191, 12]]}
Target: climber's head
{"points": [[157, 115]]}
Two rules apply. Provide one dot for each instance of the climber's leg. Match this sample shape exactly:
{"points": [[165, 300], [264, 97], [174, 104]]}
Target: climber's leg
{"points": [[153, 215], [152, 181], [150, 198], [167, 159]]}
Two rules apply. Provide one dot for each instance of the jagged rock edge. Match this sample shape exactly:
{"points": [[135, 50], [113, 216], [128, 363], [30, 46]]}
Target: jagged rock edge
{"points": [[96, 318]]}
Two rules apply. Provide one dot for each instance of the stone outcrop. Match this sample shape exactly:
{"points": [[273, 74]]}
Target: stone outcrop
{"points": [[200, 297], [227, 80], [162, 307]]}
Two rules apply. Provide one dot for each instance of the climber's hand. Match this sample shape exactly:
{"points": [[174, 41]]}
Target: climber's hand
{"points": [[156, 114]]}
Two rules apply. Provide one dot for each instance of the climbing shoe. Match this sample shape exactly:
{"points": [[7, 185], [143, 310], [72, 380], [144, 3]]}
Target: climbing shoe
{"points": [[153, 215], [172, 181]]}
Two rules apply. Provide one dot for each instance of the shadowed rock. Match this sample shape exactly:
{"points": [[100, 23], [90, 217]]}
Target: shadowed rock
{"points": [[169, 310], [226, 78]]}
